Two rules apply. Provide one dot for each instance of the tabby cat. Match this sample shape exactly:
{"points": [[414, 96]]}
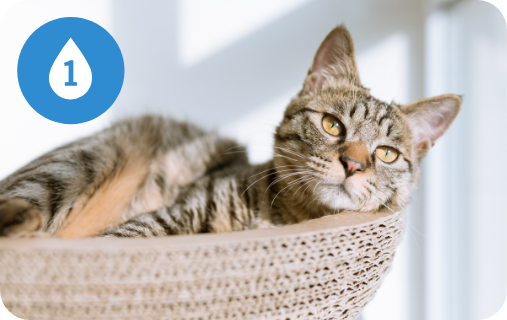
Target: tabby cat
{"points": [[337, 149]]}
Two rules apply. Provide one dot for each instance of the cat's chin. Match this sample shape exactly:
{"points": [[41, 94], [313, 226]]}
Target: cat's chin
{"points": [[337, 197]]}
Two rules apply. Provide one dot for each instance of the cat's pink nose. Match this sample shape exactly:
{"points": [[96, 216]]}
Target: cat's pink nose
{"points": [[351, 166]]}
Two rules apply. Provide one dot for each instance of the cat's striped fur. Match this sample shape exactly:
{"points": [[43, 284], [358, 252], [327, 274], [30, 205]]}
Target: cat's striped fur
{"points": [[148, 164], [152, 176]]}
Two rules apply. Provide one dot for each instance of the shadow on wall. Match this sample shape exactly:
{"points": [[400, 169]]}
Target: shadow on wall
{"points": [[246, 74]]}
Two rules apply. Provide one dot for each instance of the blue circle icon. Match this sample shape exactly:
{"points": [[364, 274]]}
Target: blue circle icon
{"points": [[70, 70]]}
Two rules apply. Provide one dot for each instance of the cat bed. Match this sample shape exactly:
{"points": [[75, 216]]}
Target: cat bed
{"points": [[326, 268]]}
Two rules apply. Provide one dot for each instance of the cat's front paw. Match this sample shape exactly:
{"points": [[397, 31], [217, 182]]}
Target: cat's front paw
{"points": [[18, 218]]}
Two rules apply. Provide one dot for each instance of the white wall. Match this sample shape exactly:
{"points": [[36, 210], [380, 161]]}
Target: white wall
{"points": [[479, 148], [24, 134]]}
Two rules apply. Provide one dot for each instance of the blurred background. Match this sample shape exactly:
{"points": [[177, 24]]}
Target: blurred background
{"points": [[233, 66]]}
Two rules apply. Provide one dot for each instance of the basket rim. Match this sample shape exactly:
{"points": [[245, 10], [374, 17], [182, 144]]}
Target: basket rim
{"points": [[336, 222]]}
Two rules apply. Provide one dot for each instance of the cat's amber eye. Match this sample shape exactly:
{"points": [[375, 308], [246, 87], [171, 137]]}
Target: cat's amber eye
{"points": [[387, 154], [332, 125]]}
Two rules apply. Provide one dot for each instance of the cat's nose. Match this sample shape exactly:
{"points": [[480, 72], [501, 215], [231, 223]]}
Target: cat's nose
{"points": [[351, 166], [354, 157]]}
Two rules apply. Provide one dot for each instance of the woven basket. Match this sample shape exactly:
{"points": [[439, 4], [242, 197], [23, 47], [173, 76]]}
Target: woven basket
{"points": [[327, 268]]}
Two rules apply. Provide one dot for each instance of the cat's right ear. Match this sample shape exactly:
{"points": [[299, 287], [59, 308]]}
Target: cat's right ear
{"points": [[430, 118], [335, 60]]}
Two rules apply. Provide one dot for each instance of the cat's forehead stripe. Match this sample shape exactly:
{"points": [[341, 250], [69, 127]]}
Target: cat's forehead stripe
{"points": [[300, 112], [389, 130]]}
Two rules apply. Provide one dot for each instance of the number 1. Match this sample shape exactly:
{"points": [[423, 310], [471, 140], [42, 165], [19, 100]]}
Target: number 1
{"points": [[71, 82]]}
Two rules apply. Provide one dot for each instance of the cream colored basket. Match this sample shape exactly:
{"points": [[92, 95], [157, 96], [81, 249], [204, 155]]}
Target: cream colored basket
{"points": [[327, 268]]}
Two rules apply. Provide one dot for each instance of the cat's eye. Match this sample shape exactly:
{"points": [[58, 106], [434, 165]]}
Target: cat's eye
{"points": [[387, 154], [332, 126]]}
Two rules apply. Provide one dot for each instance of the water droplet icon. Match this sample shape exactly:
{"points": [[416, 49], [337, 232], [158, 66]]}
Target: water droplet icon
{"points": [[70, 76]]}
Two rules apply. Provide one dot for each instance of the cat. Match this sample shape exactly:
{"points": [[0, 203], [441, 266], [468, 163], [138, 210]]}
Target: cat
{"points": [[337, 149]]}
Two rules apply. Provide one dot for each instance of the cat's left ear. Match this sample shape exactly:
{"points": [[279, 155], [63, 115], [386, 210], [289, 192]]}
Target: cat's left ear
{"points": [[430, 118], [335, 60]]}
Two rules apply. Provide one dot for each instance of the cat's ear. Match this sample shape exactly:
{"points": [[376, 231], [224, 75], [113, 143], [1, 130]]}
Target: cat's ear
{"points": [[430, 118], [335, 59]]}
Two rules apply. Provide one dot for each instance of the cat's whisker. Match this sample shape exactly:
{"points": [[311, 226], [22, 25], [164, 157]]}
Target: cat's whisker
{"points": [[316, 186], [314, 198], [275, 155], [263, 178], [233, 152], [284, 149], [305, 189], [368, 199], [276, 171], [282, 156], [295, 182], [256, 182], [413, 236], [410, 225], [365, 198], [307, 182], [285, 176], [277, 195], [238, 146], [412, 198], [385, 205], [378, 189], [381, 202], [373, 195], [293, 152]]}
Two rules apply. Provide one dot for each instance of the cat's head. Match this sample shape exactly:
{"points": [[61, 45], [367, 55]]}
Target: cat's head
{"points": [[342, 149]]}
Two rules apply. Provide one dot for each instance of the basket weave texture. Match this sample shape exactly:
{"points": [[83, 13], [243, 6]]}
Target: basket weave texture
{"points": [[327, 268]]}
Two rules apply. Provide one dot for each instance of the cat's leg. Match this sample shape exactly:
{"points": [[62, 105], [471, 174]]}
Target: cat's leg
{"points": [[214, 203], [19, 217], [162, 222], [186, 215], [92, 184], [60, 185], [39, 196]]}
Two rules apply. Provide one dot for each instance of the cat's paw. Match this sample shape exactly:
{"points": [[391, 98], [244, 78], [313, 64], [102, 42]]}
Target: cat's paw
{"points": [[18, 218]]}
